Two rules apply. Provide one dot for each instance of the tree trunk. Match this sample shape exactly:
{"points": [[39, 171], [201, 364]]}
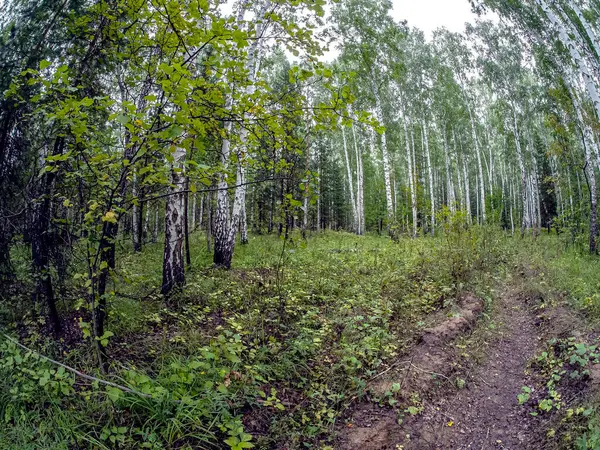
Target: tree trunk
{"points": [[186, 221], [478, 154], [384, 153], [411, 179], [524, 222], [156, 224], [587, 140], [350, 183], [450, 184], [136, 215], [41, 240], [360, 191], [319, 194], [430, 175], [226, 223], [173, 266], [194, 210], [572, 47]]}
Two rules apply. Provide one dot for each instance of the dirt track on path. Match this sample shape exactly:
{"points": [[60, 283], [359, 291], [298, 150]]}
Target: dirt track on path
{"points": [[482, 414], [485, 413]]}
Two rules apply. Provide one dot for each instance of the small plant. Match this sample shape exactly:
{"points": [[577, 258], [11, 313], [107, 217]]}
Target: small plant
{"points": [[237, 439], [524, 396], [416, 407]]}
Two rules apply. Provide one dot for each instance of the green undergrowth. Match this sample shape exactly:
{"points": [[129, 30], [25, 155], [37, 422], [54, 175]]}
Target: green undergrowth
{"points": [[560, 276], [266, 355], [571, 272]]}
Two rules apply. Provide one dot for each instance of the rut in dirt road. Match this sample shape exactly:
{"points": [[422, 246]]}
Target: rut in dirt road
{"points": [[485, 414]]}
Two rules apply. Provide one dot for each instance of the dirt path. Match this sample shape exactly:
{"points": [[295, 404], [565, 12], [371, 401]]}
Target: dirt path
{"points": [[484, 414]]}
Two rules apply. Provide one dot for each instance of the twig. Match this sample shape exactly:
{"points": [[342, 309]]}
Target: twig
{"points": [[397, 363], [430, 372], [486, 438], [484, 382], [77, 372]]}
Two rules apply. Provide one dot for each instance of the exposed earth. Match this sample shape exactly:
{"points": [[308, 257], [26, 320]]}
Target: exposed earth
{"points": [[462, 405]]}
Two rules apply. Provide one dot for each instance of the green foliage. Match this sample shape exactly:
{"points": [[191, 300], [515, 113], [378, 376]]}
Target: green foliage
{"points": [[243, 344]]}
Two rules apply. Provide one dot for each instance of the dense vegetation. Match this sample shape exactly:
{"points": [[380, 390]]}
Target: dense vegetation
{"points": [[214, 234]]}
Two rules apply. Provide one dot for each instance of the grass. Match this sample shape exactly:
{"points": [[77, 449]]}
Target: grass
{"points": [[268, 354]]}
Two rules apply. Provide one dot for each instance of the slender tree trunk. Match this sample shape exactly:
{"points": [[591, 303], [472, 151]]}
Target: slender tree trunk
{"points": [[478, 154], [360, 203], [41, 240], [243, 225], [450, 184], [573, 48], [202, 208], [525, 222], [587, 141], [226, 223], [136, 215], [350, 183], [194, 210], [430, 174], [467, 186], [587, 27], [186, 221], [146, 222], [209, 221], [156, 224], [384, 153], [319, 193], [411, 179], [173, 265]]}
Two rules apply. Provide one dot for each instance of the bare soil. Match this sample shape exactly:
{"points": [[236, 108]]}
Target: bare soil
{"points": [[476, 410]]}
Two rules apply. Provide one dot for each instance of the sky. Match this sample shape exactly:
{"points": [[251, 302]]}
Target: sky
{"points": [[431, 14]]}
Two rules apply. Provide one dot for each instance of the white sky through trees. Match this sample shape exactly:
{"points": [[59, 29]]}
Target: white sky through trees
{"points": [[428, 15]]}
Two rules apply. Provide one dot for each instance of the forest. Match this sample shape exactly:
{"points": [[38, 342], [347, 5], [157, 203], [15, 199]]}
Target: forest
{"points": [[298, 224]]}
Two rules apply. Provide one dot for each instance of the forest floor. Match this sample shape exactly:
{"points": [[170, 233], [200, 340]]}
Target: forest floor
{"points": [[476, 405], [469, 340]]}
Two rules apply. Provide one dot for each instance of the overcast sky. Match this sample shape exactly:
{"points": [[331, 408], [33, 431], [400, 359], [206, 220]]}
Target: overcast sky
{"points": [[431, 14]]}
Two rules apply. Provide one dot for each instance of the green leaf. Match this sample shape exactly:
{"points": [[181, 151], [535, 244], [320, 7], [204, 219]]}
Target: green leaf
{"points": [[44, 64], [113, 393], [123, 119], [232, 441]]}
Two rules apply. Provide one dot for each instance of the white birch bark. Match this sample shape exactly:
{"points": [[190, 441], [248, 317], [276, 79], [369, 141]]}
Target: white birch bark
{"points": [[467, 186], [194, 209], [411, 180], [350, 182], [319, 194], [384, 152], [156, 223], [147, 221], [557, 184], [360, 202], [226, 222], [520, 160], [477, 152], [135, 214], [587, 27], [573, 49], [459, 173], [449, 181], [430, 176], [173, 263], [587, 138], [467, 191], [203, 200]]}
